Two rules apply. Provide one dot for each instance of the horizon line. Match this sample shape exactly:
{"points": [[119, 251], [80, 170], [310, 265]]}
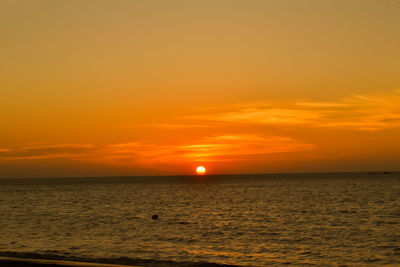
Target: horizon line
{"points": [[204, 175]]}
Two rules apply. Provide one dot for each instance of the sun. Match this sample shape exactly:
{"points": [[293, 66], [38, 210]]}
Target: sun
{"points": [[201, 170]]}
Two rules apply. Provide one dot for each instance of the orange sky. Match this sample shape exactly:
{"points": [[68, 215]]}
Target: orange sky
{"points": [[99, 88]]}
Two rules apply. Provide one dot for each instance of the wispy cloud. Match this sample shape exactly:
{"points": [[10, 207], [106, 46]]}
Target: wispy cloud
{"points": [[366, 112], [172, 125], [369, 112], [263, 116], [38, 146], [215, 148], [45, 150], [315, 104], [207, 149]]}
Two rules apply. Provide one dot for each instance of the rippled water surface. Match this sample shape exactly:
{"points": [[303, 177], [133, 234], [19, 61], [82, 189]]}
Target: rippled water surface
{"points": [[351, 219]]}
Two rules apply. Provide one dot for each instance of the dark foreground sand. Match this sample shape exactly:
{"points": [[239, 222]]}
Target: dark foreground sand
{"points": [[19, 262]]}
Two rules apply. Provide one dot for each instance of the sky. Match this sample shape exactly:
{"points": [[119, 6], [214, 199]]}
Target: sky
{"points": [[146, 87]]}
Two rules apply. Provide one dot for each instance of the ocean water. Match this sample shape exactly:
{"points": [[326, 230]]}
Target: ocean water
{"points": [[246, 220]]}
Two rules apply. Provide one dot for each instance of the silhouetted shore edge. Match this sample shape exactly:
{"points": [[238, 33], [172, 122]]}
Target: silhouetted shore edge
{"points": [[39, 260]]}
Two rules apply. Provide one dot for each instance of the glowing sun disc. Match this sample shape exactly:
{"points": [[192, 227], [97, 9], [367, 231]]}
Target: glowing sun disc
{"points": [[201, 170]]}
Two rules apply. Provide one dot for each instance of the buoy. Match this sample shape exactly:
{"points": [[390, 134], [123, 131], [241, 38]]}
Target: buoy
{"points": [[154, 217]]}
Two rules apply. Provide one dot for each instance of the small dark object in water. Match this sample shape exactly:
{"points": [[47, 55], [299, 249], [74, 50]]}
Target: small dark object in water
{"points": [[154, 217]]}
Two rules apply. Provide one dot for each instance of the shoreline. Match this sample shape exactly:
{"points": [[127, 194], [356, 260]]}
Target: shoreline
{"points": [[37, 260], [26, 262]]}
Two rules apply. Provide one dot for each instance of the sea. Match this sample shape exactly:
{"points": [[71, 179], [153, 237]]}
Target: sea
{"points": [[330, 219]]}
